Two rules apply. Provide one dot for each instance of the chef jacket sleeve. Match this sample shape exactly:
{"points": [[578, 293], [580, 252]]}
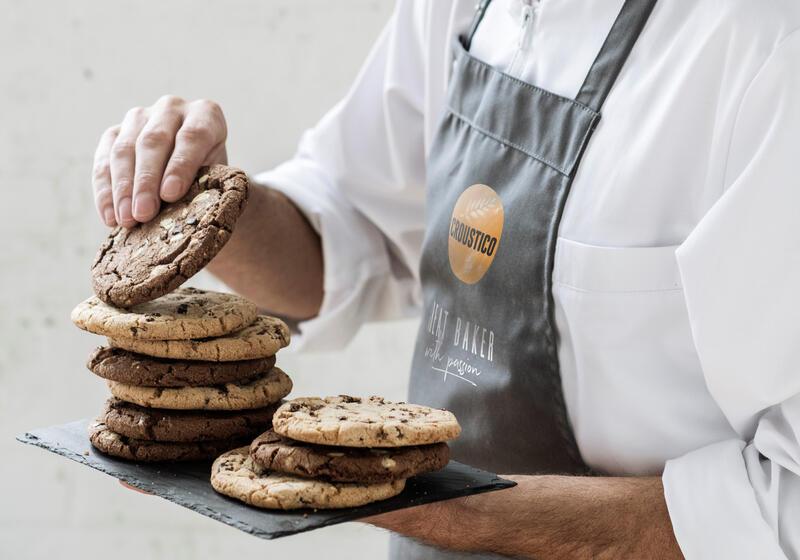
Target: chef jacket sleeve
{"points": [[741, 273], [358, 176]]}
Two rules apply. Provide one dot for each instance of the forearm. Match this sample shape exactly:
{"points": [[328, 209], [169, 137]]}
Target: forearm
{"points": [[274, 257], [550, 517]]}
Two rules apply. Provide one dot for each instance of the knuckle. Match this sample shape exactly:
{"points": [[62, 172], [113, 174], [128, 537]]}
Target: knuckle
{"points": [[179, 164], [146, 179], [122, 187], [154, 137], [100, 171], [111, 130], [208, 106], [170, 100], [135, 113], [196, 133], [103, 197], [122, 148]]}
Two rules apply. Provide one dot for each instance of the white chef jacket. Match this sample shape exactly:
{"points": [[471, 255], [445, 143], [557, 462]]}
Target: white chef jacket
{"points": [[678, 261]]}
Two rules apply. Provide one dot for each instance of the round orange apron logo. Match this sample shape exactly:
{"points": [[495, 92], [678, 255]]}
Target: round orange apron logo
{"points": [[475, 230]]}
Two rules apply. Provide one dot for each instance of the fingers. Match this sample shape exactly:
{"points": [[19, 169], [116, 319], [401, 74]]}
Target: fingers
{"points": [[154, 155], [122, 165], [101, 177], [201, 134], [129, 487], [153, 147]]}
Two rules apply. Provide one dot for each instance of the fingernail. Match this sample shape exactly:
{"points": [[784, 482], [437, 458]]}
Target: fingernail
{"points": [[171, 189], [144, 206], [124, 211], [108, 216]]}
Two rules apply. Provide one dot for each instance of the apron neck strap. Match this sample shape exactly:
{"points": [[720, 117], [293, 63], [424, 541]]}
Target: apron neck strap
{"points": [[480, 11], [612, 56]]}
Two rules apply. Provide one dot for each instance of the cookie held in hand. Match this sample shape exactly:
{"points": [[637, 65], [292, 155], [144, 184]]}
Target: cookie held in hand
{"points": [[149, 260]]}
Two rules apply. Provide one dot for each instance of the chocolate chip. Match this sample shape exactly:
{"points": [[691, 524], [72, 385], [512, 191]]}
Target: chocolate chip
{"points": [[182, 309]]}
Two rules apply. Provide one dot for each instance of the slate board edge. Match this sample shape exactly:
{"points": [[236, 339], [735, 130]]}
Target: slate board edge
{"points": [[32, 439], [28, 438]]}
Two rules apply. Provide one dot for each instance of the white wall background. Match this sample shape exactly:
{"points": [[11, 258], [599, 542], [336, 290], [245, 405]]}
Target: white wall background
{"points": [[68, 69]]}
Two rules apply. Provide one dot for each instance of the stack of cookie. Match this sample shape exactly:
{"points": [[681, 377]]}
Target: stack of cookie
{"points": [[191, 373], [336, 452]]}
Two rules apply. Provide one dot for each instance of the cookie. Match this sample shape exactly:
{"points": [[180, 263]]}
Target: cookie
{"points": [[123, 447], [355, 422], [346, 464], [155, 424], [265, 336], [183, 314], [235, 475], [117, 364], [149, 260], [260, 392]]}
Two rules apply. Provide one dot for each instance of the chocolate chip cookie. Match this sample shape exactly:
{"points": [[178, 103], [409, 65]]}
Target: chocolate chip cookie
{"points": [[355, 422], [155, 424], [149, 260], [127, 367], [346, 464], [265, 336], [234, 474], [183, 314], [260, 392], [117, 445]]}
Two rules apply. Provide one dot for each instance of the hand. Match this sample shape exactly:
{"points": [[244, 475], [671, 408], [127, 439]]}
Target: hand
{"points": [[154, 155]]}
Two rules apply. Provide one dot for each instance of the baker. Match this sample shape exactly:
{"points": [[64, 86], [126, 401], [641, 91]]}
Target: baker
{"points": [[634, 164]]}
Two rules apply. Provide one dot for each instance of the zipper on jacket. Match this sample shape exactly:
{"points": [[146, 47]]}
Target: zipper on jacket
{"points": [[530, 9]]}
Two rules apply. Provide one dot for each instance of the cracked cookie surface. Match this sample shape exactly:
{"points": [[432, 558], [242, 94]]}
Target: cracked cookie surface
{"points": [[371, 422], [274, 452], [117, 445], [262, 338], [121, 365], [149, 260], [154, 424], [234, 474], [183, 314], [257, 393]]}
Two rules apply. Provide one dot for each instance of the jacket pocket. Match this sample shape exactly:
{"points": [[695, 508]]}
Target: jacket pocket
{"points": [[613, 269]]}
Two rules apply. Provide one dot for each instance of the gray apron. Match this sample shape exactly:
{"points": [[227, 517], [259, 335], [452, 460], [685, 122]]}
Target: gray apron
{"points": [[499, 173]]}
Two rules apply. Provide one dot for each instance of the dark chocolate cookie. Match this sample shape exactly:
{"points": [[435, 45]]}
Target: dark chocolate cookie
{"points": [[156, 424], [121, 365], [117, 445], [346, 464], [149, 260]]}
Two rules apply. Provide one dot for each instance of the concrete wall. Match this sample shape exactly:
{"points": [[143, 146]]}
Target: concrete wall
{"points": [[68, 69]]}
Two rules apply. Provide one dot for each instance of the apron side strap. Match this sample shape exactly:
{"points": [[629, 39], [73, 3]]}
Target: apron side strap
{"points": [[480, 11], [612, 56]]}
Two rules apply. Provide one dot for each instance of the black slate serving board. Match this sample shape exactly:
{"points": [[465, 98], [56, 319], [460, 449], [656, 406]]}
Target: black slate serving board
{"points": [[187, 484]]}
